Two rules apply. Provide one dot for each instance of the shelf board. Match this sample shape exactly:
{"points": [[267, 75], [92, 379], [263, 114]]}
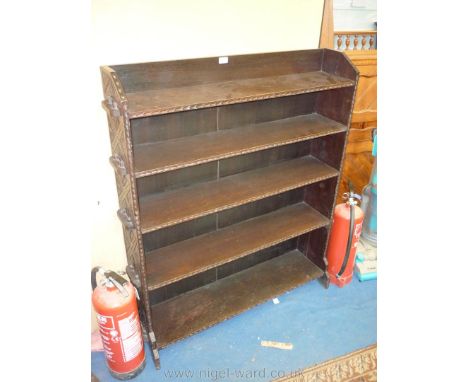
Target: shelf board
{"points": [[189, 257], [201, 308], [170, 100], [173, 207], [153, 158]]}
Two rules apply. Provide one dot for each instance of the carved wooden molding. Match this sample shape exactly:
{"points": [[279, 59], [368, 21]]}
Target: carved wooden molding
{"points": [[360, 365], [364, 40]]}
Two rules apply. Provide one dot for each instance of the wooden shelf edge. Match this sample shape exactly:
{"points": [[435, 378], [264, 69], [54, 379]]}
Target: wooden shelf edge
{"points": [[155, 204], [199, 309], [149, 111], [300, 219], [324, 126]]}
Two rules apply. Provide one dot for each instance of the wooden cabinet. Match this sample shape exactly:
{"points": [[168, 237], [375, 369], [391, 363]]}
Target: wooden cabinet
{"points": [[357, 166], [227, 176]]}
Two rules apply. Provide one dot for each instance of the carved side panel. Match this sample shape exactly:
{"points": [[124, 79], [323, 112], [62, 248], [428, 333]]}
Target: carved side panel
{"points": [[121, 144]]}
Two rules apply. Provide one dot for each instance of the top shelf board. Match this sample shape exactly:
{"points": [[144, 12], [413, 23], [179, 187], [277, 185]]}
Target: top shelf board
{"points": [[170, 100], [155, 88]]}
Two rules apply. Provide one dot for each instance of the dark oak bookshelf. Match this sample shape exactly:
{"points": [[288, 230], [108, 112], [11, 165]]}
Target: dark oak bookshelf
{"points": [[227, 177]]}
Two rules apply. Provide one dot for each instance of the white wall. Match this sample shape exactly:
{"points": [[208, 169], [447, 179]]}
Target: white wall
{"points": [[351, 15], [127, 31]]}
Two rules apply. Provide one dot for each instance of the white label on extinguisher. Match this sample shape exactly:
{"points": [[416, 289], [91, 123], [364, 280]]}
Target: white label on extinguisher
{"points": [[108, 334], [130, 332], [357, 231]]}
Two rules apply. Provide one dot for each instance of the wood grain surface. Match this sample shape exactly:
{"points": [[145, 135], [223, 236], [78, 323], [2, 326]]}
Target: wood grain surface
{"points": [[198, 309], [173, 154], [186, 258], [170, 100], [231, 172], [165, 209]]}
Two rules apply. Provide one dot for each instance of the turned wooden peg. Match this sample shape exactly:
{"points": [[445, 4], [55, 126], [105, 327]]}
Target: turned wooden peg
{"points": [[339, 42], [347, 41], [371, 42], [355, 42], [363, 42]]}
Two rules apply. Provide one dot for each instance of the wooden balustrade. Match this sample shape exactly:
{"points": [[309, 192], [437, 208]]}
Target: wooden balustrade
{"points": [[355, 40]]}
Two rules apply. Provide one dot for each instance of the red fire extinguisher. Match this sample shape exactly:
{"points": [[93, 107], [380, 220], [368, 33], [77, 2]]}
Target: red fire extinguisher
{"points": [[114, 301], [344, 237]]}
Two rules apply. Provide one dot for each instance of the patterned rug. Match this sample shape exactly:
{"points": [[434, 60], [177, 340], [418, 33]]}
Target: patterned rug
{"points": [[358, 366]]}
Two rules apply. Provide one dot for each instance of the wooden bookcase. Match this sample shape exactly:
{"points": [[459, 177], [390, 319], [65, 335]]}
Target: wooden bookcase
{"points": [[227, 177]]}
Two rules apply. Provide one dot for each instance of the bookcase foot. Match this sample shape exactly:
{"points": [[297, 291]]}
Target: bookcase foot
{"points": [[154, 350]]}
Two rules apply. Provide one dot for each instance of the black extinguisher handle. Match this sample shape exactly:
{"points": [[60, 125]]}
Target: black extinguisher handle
{"points": [[94, 272], [350, 240]]}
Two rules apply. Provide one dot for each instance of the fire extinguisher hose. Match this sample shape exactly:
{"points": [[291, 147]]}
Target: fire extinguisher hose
{"points": [[94, 271], [350, 239]]}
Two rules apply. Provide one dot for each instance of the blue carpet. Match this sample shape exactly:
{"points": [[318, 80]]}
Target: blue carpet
{"points": [[320, 323]]}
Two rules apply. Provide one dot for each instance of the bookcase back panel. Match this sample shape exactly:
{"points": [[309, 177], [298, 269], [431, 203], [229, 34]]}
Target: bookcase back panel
{"points": [[173, 125], [259, 207], [235, 165], [264, 158], [160, 75], [188, 123], [179, 232], [211, 275], [256, 258], [178, 178], [182, 286], [210, 223], [249, 113]]}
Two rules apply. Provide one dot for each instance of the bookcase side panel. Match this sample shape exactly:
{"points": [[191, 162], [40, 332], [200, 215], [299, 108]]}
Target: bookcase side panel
{"points": [[121, 146], [337, 105]]}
